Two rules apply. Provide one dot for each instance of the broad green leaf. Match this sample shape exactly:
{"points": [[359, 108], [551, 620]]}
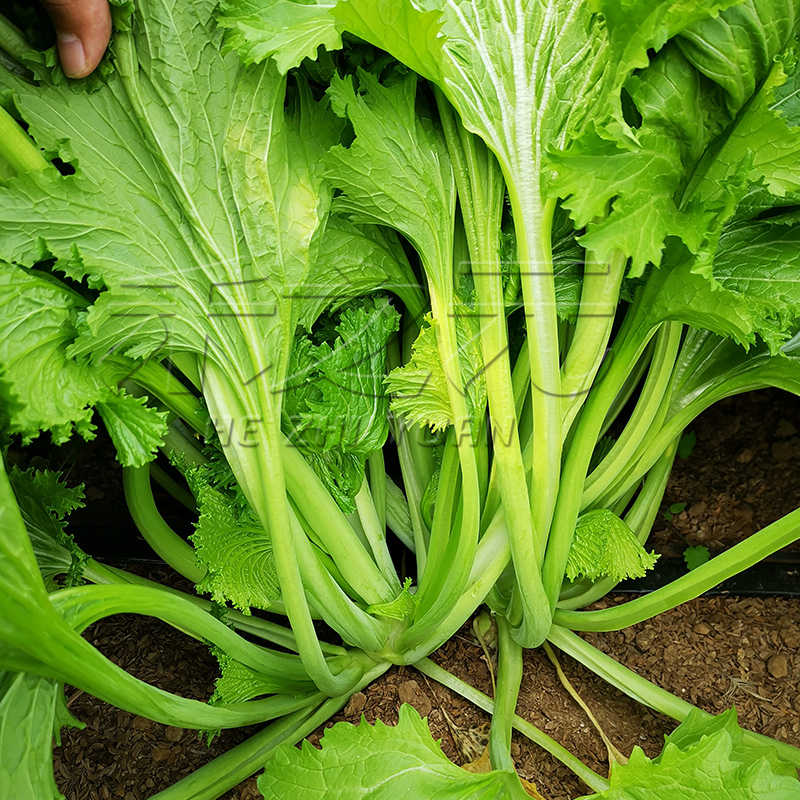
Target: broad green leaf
{"points": [[759, 151], [629, 193], [32, 711], [760, 262], [380, 763], [397, 171], [736, 49], [286, 30], [604, 546], [755, 290], [528, 77], [673, 97], [713, 367], [365, 259], [37, 324], [643, 178], [642, 182], [636, 26], [521, 75], [679, 293], [186, 191], [136, 429], [411, 32], [291, 30], [702, 759]]}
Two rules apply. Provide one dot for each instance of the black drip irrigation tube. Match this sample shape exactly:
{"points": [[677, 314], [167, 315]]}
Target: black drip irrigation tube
{"points": [[777, 575]]}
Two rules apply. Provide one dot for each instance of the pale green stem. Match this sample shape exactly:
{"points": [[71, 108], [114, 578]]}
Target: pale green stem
{"points": [[534, 226], [213, 779], [336, 535], [450, 575], [509, 680], [99, 573], [598, 306], [187, 364], [82, 606], [172, 487], [481, 190], [376, 473], [639, 519], [158, 381], [180, 555], [375, 533], [646, 417], [416, 470], [578, 456], [491, 558], [226, 771], [398, 515], [13, 42], [179, 440], [66, 656], [353, 624], [259, 469], [17, 147]]}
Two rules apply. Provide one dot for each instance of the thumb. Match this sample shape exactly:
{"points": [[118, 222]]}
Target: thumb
{"points": [[83, 28]]}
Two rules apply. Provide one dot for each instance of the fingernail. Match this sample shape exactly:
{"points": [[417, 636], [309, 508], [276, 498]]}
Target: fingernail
{"points": [[72, 54]]}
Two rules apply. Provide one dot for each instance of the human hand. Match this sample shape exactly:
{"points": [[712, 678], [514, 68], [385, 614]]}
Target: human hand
{"points": [[83, 28]]}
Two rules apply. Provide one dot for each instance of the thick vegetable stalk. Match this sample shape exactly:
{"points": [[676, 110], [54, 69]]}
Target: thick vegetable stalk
{"points": [[481, 193], [289, 543]]}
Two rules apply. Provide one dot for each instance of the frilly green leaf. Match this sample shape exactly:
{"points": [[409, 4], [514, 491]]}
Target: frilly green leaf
{"points": [[44, 502], [604, 546], [233, 546], [402, 607]]}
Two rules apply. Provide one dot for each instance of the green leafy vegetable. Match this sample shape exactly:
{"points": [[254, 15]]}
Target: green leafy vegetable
{"points": [[380, 762], [419, 299], [703, 758]]}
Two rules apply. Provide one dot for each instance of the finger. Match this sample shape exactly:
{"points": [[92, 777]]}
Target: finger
{"points": [[83, 28]]}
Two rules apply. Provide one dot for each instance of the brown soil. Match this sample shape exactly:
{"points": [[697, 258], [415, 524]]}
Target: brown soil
{"points": [[742, 474], [712, 651]]}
